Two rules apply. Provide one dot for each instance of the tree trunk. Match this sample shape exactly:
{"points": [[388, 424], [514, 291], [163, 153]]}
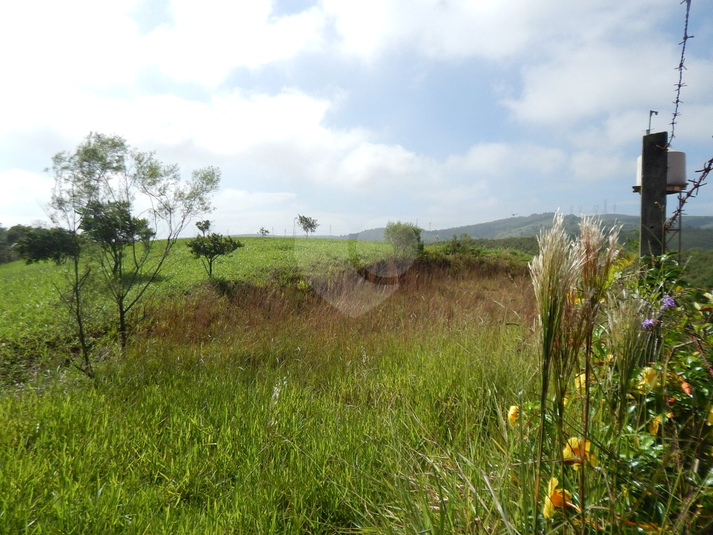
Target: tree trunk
{"points": [[122, 322], [76, 308]]}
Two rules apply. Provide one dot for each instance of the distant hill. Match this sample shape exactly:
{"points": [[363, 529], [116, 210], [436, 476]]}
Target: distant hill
{"points": [[514, 227], [697, 230]]}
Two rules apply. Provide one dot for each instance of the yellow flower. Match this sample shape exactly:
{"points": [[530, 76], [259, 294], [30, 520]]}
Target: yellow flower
{"points": [[649, 379], [556, 499], [573, 297], [580, 383], [654, 425], [576, 451], [513, 414], [710, 416]]}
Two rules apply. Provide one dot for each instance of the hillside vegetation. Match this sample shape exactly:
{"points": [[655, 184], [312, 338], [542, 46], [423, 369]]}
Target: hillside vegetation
{"points": [[323, 386], [250, 404], [698, 230]]}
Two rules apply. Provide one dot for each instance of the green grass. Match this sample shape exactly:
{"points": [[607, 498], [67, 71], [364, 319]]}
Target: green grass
{"points": [[35, 333], [261, 258], [265, 410], [251, 404], [205, 446], [30, 325]]}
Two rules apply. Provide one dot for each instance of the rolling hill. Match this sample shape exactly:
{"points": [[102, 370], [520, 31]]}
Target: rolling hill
{"points": [[697, 230]]}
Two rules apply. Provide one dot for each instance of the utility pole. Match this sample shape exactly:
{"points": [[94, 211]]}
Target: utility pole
{"points": [[654, 170]]}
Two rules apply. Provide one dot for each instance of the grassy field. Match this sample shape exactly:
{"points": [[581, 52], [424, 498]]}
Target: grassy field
{"points": [[33, 324], [253, 405], [319, 386]]}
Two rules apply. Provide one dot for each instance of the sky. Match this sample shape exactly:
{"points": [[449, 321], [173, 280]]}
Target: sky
{"points": [[437, 112]]}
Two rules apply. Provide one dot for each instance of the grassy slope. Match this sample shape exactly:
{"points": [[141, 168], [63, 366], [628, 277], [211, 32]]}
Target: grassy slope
{"points": [[270, 412], [33, 324], [258, 260]]}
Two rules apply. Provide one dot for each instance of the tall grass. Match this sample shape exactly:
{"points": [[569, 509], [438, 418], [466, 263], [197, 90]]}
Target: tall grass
{"points": [[621, 433], [258, 408], [255, 406]]}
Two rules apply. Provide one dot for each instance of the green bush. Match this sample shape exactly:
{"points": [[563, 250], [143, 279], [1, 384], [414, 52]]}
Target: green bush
{"points": [[405, 238]]}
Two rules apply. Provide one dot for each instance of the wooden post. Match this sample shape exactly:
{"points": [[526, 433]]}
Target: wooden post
{"points": [[654, 170]]}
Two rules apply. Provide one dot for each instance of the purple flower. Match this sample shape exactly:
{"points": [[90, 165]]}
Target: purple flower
{"points": [[649, 323], [668, 302]]}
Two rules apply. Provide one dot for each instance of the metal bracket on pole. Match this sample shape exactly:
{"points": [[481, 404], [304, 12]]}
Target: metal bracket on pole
{"points": [[651, 112]]}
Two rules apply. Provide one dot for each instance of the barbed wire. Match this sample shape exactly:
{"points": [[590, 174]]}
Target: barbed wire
{"points": [[680, 68], [703, 173], [696, 184]]}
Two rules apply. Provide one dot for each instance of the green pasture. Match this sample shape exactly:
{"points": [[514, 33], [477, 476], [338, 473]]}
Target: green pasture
{"points": [[208, 440], [261, 258], [260, 402], [269, 411], [33, 321]]}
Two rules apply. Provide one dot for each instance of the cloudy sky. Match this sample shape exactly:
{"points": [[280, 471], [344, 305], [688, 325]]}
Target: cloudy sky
{"points": [[441, 112]]}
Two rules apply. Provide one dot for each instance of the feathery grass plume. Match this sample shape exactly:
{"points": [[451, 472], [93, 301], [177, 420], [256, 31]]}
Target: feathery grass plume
{"points": [[628, 342], [555, 273], [554, 277], [596, 251]]}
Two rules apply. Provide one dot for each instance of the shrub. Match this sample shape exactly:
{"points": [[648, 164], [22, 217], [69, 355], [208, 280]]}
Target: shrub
{"points": [[405, 238]]}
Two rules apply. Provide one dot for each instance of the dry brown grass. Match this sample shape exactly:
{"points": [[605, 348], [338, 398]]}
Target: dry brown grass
{"points": [[430, 301]]}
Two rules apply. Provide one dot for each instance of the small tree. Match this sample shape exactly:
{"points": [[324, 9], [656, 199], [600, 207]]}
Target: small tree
{"points": [[42, 244], [405, 238], [208, 247], [5, 251], [97, 189], [58, 245], [111, 226], [203, 226], [307, 224], [16, 232], [263, 232]]}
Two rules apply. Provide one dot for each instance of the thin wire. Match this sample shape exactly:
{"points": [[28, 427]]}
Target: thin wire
{"points": [[680, 68], [696, 184], [700, 180]]}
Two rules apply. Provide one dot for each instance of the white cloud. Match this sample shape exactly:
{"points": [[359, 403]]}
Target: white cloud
{"points": [[24, 194], [583, 73], [82, 44], [382, 166], [228, 123], [455, 205], [502, 160], [244, 212], [695, 126], [596, 166], [579, 84], [483, 28], [435, 28], [209, 38], [617, 131], [50, 45], [243, 200]]}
